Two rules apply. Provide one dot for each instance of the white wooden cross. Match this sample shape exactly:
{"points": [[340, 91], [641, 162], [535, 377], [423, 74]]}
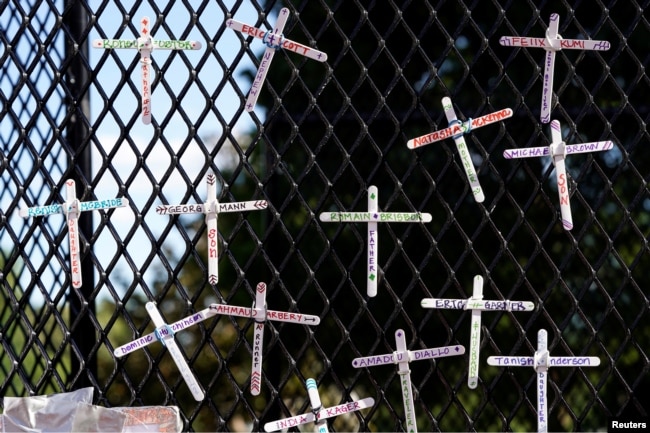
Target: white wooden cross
{"points": [[456, 129], [558, 150], [145, 44], [477, 304], [211, 208], [165, 334], [274, 41], [551, 43], [259, 313], [319, 414], [541, 363], [372, 217], [402, 357], [71, 209]]}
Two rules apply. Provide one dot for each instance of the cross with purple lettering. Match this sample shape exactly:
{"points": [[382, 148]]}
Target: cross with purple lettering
{"points": [[274, 41], [551, 43], [71, 210], [372, 217], [477, 305], [558, 150], [541, 362], [402, 357], [145, 45], [211, 208], [318, 414]]}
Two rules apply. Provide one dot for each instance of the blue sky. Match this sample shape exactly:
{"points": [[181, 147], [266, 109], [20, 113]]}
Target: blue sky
{"points": [[127, 102]]}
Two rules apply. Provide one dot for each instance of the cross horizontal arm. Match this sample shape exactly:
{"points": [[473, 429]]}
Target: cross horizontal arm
{"points": [[116, 44], [277, 41], [459, 128], [477, 304], [392, 217]]}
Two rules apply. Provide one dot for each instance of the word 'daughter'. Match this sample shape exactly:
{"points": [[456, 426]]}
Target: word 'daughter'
{"points": [[274, 40], [551, 43], [402, 357], [211, 208], [456, 130], [541, 362], [71, 209], [145, 44], [477, 304], [318, 415], [558, 150], [372, 217]]}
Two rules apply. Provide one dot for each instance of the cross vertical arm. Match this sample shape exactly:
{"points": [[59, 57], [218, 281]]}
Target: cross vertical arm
{"points": [[72, 220], [372, 268], [403, 359], [145, 46], [211, 211], [475, 335], [258, 338], [465, 157], [167, 339], [316, 406], [265, 63]]}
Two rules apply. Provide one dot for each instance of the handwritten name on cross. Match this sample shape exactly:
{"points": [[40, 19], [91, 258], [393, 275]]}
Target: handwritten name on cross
{"points": [[145, 44], [165, 335], [402, 357], [558, 150], [456, 130], [211, 208], [372, 217], [259, 313], [541, 362], [318, 415], [551, 43], [477, 304], [71, 209], [274, 41]]}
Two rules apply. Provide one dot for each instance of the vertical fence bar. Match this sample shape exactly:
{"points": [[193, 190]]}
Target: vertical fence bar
{"points": [[75, 18]]}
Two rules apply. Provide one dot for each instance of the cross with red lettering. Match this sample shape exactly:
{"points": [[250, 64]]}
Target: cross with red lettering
{"points": [[145, 45], [558, 150], [551, 43], [260, 314], [269, 38], [211, 209]]}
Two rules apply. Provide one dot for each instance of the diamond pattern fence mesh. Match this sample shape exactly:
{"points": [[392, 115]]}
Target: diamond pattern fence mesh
{"points": [[320, 135]]}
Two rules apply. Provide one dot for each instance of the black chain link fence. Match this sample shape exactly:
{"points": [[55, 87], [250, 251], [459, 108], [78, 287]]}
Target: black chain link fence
{"points": [[320, 136]]}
